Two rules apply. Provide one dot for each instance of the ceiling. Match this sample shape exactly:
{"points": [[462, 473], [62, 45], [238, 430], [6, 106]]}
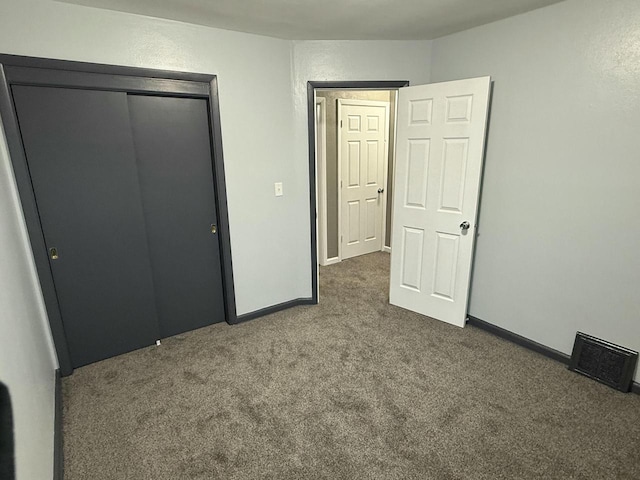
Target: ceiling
{"points": [[329, 19]]}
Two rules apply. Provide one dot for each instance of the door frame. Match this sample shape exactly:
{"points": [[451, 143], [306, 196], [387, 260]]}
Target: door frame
{"points": [[311, 135], [321, 168], [20, 70], [383, 219]]}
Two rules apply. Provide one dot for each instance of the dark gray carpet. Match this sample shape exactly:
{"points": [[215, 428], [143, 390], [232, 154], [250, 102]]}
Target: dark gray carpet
{"points": [[352, 388]]}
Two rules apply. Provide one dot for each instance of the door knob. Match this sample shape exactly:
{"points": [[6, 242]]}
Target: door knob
{"points": [[53, 253], [214, 228], [380, 190], [465, 225]]}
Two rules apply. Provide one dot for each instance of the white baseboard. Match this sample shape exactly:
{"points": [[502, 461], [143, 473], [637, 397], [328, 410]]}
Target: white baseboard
{"points": [[330, 261], [386, 249]]}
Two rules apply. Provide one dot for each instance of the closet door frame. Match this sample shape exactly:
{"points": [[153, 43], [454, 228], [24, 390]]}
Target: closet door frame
{"points": [[19, 70]]}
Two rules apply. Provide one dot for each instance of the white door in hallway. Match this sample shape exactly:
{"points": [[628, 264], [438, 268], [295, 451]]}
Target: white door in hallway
{"points": [[362, 159], [439, 155]]}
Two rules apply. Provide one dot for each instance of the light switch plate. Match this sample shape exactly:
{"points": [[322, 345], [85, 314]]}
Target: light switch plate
{"points": [[278, 188]]}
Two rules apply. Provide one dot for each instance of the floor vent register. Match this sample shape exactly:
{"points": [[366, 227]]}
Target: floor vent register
{"points": [[605, 362]]}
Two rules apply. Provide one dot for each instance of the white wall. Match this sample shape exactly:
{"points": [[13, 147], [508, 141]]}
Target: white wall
{"points": [[345, 61], [559, 247], [27, 359], [254, 75]]}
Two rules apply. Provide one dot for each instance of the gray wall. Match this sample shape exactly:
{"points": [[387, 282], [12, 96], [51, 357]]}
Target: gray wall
{"points": [[332, 97], [27, 360], [558, 249]]}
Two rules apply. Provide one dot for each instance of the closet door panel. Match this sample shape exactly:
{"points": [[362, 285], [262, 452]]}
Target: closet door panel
{"points": [[173, 151], [81, 159]]}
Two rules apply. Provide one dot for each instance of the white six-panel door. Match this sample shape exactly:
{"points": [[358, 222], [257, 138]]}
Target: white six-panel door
{"points": [[439, 156], [363, 131]]}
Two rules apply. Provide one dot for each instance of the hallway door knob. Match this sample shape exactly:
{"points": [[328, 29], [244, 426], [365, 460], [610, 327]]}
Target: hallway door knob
{"points": [[380, 190], [465, 225]]}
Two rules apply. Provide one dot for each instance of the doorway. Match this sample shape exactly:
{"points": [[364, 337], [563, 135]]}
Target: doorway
{"points": [[355, 153], [315, 181], [441, 132]]}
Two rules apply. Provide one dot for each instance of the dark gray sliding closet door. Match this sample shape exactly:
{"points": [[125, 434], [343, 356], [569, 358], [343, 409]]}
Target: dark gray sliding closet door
{"points": [[173, 152], [81, 158]]}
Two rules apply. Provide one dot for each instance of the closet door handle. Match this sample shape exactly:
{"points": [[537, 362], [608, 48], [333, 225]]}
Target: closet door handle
{"points": [[214, 228]]}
